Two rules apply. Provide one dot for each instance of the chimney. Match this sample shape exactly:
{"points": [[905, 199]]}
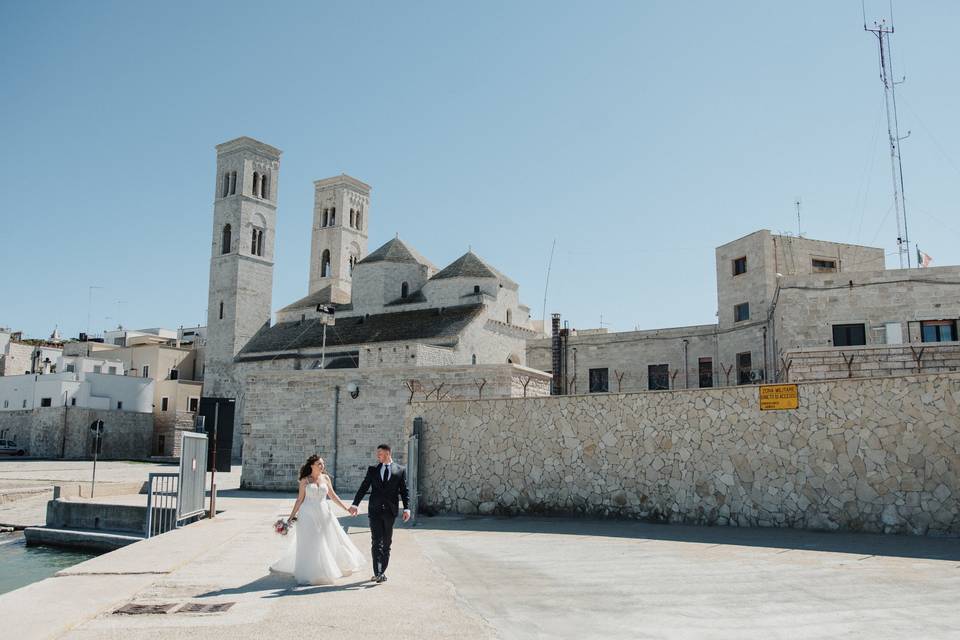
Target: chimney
{"points": [[555, 347]]}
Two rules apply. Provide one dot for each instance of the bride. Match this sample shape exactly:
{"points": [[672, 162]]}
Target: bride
{"points": [[320, 550]]}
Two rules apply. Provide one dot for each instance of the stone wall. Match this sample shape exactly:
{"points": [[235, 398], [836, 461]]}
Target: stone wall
{"points": [[869, 362], [288, 415], [64, 432], [879, 454]]}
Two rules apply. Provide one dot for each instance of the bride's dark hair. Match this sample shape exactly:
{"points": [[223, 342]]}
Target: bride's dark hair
{"points": [[305, 470]]}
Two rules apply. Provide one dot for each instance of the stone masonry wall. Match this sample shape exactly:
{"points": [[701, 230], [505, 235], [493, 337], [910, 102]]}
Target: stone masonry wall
{"points": [[288, 415], [64, 432], [880, 454], [888, 360]]}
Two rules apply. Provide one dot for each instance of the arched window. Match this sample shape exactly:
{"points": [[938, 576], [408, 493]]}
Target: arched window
{"points": [[333, 216], [256, 184], [233, 182], [221, 310], [325, 264], [264, 187], [256, 242], [404, 290], [225, 240], [359, 223], [509, 316], [473, 359], [326, 218], [226, 185], [351, 218]]}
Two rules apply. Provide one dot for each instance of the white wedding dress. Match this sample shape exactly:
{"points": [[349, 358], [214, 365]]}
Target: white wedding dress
{"points": [[320, 551]]}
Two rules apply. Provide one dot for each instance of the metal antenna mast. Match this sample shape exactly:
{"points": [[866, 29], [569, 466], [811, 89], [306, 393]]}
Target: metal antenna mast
{"points": [[797, 203], [883, 31]]}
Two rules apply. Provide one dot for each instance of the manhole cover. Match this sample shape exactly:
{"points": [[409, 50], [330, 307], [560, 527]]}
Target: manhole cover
{"points": [[138, 609], [195, 607]]}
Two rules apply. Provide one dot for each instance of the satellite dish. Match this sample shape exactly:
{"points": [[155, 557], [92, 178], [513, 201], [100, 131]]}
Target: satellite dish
{"points": [[353, 389]]}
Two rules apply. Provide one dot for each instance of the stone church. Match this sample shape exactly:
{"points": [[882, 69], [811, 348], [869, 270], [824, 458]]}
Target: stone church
{"points": [[376, 329]]}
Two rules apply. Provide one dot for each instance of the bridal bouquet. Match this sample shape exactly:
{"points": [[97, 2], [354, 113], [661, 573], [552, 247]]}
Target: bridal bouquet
{"points": [[281, 526]]}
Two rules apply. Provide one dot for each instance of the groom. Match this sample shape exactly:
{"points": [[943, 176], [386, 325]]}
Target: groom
{"points": [[388, 481]]}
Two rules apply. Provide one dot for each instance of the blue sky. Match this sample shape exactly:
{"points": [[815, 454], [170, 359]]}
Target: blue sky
{"points": [[639, 135]]}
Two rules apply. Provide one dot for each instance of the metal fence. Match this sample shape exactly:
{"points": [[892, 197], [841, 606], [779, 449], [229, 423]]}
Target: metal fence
{"points": [[413, 468], [173, 498], [193, 472]]}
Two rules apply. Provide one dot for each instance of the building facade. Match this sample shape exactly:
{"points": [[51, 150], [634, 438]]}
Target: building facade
{"points": [[779, 297]]}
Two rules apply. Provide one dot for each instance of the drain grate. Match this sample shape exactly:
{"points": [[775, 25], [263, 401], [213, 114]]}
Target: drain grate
{"points": [[140, 609], [195, 607]]}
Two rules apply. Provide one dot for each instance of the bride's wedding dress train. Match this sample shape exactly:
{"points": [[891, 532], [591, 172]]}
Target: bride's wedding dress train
{"points": [[319, 551]]}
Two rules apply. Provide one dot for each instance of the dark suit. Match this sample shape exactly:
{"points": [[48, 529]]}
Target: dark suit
{"points": [[384, 494]]}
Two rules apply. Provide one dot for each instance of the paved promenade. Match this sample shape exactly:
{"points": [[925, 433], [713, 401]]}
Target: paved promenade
{"points": [[509, 578]]}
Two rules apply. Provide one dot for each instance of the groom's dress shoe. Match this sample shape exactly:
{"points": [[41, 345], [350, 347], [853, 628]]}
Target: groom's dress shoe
{"points": [[381, 579], [375, 578]]}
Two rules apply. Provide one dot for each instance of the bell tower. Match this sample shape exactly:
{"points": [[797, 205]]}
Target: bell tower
{"points": [[341, 217], [241, 258]]}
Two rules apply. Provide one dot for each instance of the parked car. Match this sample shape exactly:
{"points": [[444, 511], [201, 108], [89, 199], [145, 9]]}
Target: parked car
{"points": [[10, 448]]}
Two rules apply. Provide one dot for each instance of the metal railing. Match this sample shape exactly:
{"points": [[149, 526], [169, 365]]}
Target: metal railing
{"points": [[162, 503], [174, 498]]}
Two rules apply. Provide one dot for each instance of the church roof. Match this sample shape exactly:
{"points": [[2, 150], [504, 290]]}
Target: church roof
{"points": [[327, 295], [416, 325], [470, 265], [395, 250]]}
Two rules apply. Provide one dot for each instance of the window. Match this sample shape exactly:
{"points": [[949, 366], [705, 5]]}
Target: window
{"points": [[98, 368], [599, 381], [476, 289], [849, 335], [256, 242], [6, 403], [174, 374], [146, 371], [326, 217], [221, 310], [264, 187], [46, 402], [705, 371], [73, 402], [359, 226], [509, 316], [658, 377], [226, 185], [744, 366], [233, 182], [119, 404], [325, 264], [194, 404], [741, 312], [71, 368], [822, 265], [473, 359], [351, 218], [333, 216], [740, 265], [164, 404], [938, 330], [225, 240], [112, 370], [404, 290], [256, 184]]}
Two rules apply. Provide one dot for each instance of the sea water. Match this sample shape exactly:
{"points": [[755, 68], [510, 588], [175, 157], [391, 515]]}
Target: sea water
{"points": [[21, 565]]}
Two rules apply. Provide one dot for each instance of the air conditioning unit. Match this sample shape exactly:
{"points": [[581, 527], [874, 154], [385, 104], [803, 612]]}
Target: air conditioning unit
{"points": [[756, 375]]}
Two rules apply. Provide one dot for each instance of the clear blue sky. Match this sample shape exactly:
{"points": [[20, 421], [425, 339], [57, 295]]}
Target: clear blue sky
{"points": [[639, 135]]}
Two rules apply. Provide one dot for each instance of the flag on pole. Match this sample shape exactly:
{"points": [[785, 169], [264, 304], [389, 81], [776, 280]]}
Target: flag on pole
{"points": [[923, 260]]}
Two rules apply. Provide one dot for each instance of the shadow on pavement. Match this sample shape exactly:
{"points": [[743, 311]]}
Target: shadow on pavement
{"points": [[868, 544], [282, 586]]}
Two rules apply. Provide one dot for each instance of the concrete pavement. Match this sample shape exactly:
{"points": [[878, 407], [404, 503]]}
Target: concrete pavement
{"points": [[510, 578]]}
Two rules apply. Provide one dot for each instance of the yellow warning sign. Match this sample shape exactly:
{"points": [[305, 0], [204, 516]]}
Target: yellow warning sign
{"points": [[779, 396]]}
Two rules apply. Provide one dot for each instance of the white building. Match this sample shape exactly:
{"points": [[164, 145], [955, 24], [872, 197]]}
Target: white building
{"points": [[81, 388]]}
